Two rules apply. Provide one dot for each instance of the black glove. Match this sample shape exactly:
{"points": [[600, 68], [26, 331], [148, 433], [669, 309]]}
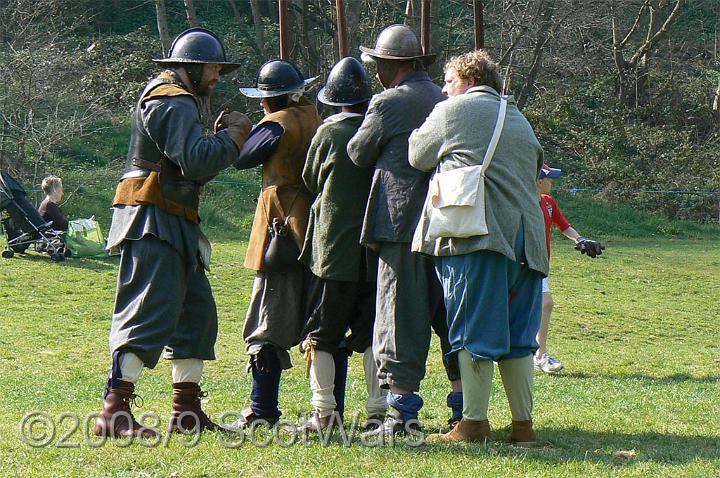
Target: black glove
{"points": [[589, 247]]}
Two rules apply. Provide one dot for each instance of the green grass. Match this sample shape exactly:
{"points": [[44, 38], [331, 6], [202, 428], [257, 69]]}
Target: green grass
{"points": [[637, 329]]}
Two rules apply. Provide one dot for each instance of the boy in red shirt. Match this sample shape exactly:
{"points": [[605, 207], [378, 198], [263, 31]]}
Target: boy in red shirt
{"points": [[553, 216]]}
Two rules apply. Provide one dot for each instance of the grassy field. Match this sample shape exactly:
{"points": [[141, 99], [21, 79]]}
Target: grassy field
{"points": [[637, 329]]}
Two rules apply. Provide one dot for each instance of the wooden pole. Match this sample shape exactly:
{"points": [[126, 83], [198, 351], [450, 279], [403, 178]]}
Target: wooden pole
{"points": [[479, 25], [425, 26], [341, 29], [284, 34]]}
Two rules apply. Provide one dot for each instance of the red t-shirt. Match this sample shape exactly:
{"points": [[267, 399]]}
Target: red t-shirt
{"points": [[553, 215]]}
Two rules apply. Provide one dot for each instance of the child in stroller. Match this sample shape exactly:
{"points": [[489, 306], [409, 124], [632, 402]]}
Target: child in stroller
{"points": [[23, 225]]}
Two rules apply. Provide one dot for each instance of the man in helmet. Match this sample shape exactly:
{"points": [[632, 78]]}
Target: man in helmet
{"points": [[164, 304], [277, 308], [409, 296], [343, 294]]}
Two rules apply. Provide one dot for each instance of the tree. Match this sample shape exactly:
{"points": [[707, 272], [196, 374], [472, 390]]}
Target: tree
{"points": [[259, 28], [190, 13], [632, 72], [43, 100], [162, 25], [716, 106]]}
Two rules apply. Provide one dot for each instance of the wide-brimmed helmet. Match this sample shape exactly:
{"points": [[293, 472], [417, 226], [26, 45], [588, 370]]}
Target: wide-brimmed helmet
{"points": [[277, 77], [397, 42], [198, 45], [347, 84]]}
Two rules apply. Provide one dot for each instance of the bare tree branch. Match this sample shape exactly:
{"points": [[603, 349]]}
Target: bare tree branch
{"points": [[652, 41]]}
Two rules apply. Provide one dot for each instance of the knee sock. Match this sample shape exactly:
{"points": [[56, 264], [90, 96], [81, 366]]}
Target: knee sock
{"points": [[266, 388], [476, 384], [455, 402], [408, 405], [322, 376], [517, 378], [187, 370], [377, 397], [341, 370], [127, 367]]}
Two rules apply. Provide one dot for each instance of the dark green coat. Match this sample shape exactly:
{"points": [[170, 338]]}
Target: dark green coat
{"points": [[332, 247]]}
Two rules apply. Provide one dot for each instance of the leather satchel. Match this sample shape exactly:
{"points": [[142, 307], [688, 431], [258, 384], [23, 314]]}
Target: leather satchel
{"points": [[456, 198], [282, 252]]}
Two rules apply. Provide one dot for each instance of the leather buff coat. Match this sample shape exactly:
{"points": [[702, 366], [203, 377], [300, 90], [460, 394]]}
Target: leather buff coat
{"points": [[284, 193], [457, 134]]}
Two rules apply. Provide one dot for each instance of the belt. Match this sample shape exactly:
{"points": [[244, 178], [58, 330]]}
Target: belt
{"points": [[141, 163]]}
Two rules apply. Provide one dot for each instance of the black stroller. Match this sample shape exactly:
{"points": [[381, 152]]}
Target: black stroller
{"points": [[23, 225]]}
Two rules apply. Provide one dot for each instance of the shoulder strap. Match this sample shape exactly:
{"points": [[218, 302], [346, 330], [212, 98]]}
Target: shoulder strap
{"points": [[496, 133]]}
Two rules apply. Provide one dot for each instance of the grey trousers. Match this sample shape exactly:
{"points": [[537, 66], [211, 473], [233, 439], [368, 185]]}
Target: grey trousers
{"points": [[162, 304], [409, 305], [277, 312]]}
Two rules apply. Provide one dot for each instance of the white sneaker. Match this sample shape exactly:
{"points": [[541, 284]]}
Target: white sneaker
{"points": [[547, 363]]}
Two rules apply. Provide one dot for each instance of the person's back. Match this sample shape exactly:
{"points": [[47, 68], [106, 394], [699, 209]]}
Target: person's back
{"points": [[398, 189], [409, 297]]}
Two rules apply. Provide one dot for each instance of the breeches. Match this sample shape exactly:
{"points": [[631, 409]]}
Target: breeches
{"points": [[337, 306], [277, 312], [494, 304], [163, 306], [409, 305]]}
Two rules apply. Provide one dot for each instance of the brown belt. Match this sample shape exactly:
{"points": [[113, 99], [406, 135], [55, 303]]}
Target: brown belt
{"points": [[141, 163]]}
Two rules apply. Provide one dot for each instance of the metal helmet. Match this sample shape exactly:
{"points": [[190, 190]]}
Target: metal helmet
{"points": [[396, 42], [198, 46], [347, 84], [277, 77]]}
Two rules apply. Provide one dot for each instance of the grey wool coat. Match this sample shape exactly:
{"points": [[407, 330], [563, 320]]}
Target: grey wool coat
{"points": [[457, 134], [332, 247], [398, 190]]}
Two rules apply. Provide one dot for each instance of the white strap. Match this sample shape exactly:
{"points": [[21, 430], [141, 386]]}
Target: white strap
{"points": [[496, 133]]}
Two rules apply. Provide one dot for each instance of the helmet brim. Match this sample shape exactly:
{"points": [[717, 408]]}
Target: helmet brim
{"points": [[370, 54], [258, 93], [226, 66], [322, 97]]}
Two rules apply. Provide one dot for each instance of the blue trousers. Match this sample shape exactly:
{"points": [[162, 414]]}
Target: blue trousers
{"points": [[494, 305]]}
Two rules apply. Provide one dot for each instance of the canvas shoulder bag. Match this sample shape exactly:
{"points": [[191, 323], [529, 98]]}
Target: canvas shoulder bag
{"points": [[456, 198]]}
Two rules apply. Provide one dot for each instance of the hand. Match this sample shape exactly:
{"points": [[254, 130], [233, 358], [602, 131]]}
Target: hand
{"points": [[218, 124], [237, 125], [589, 247]]}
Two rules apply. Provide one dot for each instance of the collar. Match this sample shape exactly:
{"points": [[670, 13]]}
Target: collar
{"points": [[413, 77], [490, 90], [341, 116], [484, 89], [173, 77]]}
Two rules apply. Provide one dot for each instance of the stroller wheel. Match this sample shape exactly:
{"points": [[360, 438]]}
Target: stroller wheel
{"points": [[8, 253], [57, 257]]}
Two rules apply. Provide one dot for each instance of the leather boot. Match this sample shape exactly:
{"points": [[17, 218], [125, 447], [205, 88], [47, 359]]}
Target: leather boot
{"points": [[248, 419], [187, 415], [522, 433], [317, 424], [373, 422], [116, 420], [465, 431]]}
